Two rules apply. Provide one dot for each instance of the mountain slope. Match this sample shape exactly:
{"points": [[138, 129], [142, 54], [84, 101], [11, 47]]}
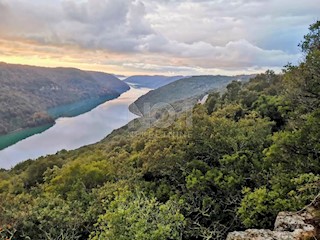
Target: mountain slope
{"points": [[151, 81], [181, 89], [27, 92]]}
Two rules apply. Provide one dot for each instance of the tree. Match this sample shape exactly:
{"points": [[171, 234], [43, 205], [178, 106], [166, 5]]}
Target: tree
{"points": [[312, 39], [136, 217], [212, 102], [273, 107], [303, 82], [296, 151], [260, 206], [233, 90]]}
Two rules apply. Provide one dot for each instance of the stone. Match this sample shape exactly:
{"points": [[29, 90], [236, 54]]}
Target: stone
{"points": [[287, 221], [288, 226], [255, 234]]}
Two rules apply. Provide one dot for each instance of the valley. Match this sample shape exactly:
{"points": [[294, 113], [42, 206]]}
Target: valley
{"points": [[70, 132], [159, 120], [32, 98]]}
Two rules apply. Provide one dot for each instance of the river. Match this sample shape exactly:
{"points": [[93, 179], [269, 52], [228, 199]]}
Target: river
{"points": [[72, 133]]}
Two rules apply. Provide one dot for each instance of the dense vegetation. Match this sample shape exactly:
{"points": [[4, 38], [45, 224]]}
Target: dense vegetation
{"points": [[151, 82], [27, 93], [179, 90], [250, 152]]}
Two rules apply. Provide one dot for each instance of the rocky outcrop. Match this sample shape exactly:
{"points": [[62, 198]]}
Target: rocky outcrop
{"points": [[288, 221], [288, 226], [255, 234]]}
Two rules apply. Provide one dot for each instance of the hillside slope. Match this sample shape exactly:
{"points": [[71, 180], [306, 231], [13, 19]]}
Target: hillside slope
{"points": [[152, 82], [27, 92], [181, 89]]}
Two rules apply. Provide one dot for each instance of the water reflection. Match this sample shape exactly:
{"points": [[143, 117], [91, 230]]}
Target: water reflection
{"points": [[72, 133]]}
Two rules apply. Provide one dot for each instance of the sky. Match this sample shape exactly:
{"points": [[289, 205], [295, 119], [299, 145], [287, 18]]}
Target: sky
{"points": [[167, 37]]}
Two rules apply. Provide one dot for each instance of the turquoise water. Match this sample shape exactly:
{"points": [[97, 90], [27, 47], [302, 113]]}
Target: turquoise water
{"points": [[12, 138], [77, 108], [69, 110], [73, 132]]}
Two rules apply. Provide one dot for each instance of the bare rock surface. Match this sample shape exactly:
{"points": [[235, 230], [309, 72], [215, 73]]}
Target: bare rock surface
{"points": [[288, 226]]}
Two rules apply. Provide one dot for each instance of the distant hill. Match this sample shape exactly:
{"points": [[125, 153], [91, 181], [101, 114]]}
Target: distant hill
{"points": [[187, 88], [27, 93], [152, 82]]}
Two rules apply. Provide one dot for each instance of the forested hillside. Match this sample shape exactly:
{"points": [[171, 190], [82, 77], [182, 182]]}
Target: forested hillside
{"points": [[249, 152], [152, 82], [192, 87], [27, 93]]}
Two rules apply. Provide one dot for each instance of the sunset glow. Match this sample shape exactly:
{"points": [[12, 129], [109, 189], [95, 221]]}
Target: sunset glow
{"points": [[155, 37]]}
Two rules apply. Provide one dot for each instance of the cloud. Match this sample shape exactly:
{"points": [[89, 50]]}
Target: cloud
{"points": [[193, 34]]}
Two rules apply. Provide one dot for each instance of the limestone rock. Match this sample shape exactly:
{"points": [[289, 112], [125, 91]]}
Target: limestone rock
{"points": [[287, 221], [255, 234], [288, 226]]}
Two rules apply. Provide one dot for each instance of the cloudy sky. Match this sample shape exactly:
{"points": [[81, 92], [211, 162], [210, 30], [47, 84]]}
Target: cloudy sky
{"points": [[169, 37]]}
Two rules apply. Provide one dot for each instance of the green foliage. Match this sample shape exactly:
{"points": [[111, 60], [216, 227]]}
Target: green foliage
{"points": [[302, 81], [231, 163], [232, 93], [260, 207], [268, 83], [303, 84], [51, 218], [182, 89], [275, 108], [77, 176], [212, 102], [132, 216], [312, 39], [297, 151]]}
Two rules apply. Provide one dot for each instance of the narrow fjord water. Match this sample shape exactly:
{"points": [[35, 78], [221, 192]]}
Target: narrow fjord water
{"points": [[74, 132]]}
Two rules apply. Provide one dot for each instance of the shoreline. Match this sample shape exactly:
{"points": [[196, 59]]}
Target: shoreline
{"points": [[74, 132], [68, 110]]}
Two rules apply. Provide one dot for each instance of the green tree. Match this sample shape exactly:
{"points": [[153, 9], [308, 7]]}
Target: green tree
{"points": [[212, 102], [232, 92], [312, 39], [136, 217]]}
